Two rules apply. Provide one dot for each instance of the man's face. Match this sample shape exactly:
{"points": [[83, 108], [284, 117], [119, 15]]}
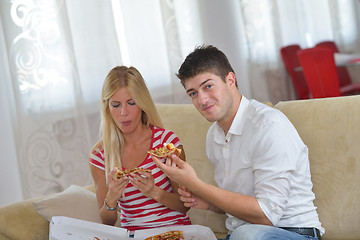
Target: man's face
{"points": [[210, 95]]}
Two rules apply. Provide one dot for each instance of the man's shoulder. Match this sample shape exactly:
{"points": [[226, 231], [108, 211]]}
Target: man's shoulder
{"points": [[262, 113]]}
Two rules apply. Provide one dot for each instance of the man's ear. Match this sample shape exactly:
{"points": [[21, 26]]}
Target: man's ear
{"points": [[231, 79]]}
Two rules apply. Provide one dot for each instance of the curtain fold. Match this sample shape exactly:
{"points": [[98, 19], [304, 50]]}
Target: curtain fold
{"points": [[173, 49]]}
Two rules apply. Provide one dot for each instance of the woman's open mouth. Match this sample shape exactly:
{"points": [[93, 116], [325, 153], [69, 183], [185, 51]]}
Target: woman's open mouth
{"points": [[126, 123]]}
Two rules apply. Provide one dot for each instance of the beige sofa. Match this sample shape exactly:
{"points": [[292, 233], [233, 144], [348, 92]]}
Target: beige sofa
{"points": [[329, 127]]}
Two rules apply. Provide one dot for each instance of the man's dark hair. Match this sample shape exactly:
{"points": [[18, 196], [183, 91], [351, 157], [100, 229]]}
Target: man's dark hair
{"points": [[205, 58]]}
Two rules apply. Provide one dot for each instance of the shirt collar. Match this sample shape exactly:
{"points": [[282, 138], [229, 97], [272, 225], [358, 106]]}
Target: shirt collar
{"points": [[237, 124]]}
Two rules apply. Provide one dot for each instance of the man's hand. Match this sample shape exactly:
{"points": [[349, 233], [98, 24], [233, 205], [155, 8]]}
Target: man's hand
{"points": [[185, 175], [178, 171]]}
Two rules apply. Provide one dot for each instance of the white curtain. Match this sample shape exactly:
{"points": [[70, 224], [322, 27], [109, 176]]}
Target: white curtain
{"points": [[55, 55]]}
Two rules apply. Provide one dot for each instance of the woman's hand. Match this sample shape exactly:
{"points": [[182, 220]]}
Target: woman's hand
{"points": [[116, 188], [144, 181], [192, 200]]}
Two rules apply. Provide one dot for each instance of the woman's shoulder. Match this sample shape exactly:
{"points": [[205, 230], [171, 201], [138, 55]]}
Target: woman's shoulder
{"points": [[162, 135], [97, 149], [160, 131]]}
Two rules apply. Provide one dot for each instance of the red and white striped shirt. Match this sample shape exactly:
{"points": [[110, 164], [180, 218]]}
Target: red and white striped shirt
{"points": [[137, 210]]}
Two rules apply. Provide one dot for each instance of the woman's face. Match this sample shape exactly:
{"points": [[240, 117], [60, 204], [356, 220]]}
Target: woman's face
{"points": [[125, 113]]}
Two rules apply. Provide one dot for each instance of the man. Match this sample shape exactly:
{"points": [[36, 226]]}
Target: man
{"points": [[260, 163]]}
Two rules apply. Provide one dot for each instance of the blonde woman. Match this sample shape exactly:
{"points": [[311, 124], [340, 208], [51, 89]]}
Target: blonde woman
{"points": [[131, 126]]}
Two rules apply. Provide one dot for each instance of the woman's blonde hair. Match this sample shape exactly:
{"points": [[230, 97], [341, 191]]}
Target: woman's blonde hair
{"points": [[111, 137]]}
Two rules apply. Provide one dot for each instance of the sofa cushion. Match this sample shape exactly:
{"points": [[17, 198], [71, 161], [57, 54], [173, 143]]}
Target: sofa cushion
{"points": [[74, 202]]}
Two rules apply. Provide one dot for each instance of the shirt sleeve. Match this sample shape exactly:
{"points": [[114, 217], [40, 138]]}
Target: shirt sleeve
{"points": [[170, 137], [278, 150], [97, 159]]}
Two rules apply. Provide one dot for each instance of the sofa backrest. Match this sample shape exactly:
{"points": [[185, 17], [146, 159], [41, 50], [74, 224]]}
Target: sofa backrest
{"points": [[331, 129]]}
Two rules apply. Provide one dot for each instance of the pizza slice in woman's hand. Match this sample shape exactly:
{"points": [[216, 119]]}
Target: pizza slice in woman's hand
{"points": [[119, 174]]}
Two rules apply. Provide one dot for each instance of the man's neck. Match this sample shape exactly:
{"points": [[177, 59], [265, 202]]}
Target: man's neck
{"points": [[226, 123]]}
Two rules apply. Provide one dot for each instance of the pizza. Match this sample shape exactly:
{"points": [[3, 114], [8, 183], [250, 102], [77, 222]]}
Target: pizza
{"points": [[171, 235], [165, 151], [119, 174]]}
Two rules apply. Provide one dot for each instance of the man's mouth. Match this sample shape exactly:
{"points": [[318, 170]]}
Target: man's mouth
{"points": [[207, 108]]}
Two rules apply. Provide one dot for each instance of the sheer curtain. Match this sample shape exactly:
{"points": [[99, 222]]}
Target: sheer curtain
{"points": [[57, 57], [56, 54]]}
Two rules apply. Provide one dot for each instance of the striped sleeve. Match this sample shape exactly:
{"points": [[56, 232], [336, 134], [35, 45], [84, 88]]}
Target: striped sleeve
{"points": [[97, 159], [170, 137]]}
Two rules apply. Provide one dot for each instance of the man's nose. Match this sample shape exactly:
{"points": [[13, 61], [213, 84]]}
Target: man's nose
{"points": [[202, 97]]}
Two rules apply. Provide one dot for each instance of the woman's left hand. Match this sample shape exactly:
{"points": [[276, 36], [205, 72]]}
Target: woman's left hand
{"points": [[144, 181]]}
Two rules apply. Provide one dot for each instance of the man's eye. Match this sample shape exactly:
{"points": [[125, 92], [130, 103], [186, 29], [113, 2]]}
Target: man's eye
{"points": [[192, 94], [208, 86]]}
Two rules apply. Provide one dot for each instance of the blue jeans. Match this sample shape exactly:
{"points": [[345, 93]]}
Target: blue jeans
{"points": [[263, 232]]}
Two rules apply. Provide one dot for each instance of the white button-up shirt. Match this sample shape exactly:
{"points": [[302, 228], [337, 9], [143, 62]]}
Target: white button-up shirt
{"points": [[263, 156]]}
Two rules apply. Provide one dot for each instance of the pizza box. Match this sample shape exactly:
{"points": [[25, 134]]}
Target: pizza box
{"points": [[65, 228]]}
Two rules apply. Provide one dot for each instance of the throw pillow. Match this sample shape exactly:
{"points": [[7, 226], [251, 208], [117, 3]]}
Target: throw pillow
{"points": [[75, 202]]}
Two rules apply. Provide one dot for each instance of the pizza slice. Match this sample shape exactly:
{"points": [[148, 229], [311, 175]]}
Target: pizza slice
{"points": [[171, 235], [165, 151], [119, 174]]}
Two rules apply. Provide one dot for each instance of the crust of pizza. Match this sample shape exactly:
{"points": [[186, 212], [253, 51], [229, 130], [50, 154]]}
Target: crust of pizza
{"points": [[165, 151], [171, 235], [119, 174]]}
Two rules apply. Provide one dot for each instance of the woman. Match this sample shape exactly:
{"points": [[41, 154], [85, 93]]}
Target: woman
{"points": [[131, 126]]}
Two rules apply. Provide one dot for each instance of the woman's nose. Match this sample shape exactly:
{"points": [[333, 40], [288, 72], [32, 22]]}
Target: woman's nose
{"points": [[123, 111]]}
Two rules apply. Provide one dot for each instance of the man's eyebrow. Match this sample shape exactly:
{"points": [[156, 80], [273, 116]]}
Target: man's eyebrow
{"points": [[204, 82], [189, 90]]}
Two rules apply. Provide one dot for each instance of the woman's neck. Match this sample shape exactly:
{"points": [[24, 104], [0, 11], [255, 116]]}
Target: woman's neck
{"points": [[138, 135]]}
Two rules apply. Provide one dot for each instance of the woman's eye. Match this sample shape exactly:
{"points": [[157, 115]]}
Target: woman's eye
{"points": [[131, 103], [115, 105]]}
